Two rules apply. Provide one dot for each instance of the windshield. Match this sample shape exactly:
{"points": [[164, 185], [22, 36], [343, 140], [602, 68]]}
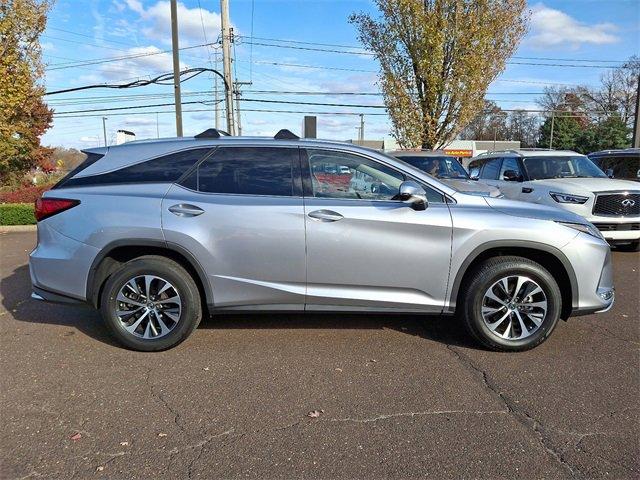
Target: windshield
{"points": [[540, 168], [439, 167]]}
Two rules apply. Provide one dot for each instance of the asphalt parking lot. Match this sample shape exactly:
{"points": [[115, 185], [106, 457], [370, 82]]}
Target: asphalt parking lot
{"points": [[397, 396]]}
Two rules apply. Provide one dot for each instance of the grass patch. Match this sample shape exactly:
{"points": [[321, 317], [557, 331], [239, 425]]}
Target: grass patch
{"points": [[17, 214]]}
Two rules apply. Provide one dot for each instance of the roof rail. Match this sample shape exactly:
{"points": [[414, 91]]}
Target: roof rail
{"points": [[211, 133], [285, 134]]}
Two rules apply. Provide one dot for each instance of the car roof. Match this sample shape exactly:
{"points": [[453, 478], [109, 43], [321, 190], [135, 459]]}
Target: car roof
{"points": [[527, 153], [419, 153], [619, 151]]}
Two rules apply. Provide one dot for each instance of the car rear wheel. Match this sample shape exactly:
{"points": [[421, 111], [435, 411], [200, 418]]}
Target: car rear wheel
{"points": [[151, 303], [510, 303]]}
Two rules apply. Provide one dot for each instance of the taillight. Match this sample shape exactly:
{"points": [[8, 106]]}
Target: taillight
{"points": [[46, 207]]}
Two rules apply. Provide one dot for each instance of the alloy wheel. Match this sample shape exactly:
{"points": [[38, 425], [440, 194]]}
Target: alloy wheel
{"points": [[514, 307], [148, 306]]}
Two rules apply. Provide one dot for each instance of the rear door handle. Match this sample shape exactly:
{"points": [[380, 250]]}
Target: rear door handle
{"points": [[326, 215], [186, 210]]}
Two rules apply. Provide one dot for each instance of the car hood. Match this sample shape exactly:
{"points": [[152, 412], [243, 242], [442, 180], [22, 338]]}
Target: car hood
{"points": [[533, 210], [471, 186], [574, 185]]}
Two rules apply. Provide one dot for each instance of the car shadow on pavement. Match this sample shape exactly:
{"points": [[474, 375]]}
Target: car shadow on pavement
{"points": [[16, 299]]}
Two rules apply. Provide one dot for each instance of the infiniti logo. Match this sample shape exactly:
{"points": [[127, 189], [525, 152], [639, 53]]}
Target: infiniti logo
{"points": [[628, 202]]}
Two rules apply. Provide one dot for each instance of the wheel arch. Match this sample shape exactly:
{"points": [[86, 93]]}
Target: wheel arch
{"points": [[118, 252], [549, 257]]}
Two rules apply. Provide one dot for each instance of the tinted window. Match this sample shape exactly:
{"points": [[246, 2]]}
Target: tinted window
{"points": [[90, 160], [624, 166], [509, 163], [166, 169], [246, 170], [491, 169], [439, 167], [561, 167]]}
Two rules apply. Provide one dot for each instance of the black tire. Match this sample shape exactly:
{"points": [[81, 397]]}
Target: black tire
{"points": [[486, 274], [167, 269]]}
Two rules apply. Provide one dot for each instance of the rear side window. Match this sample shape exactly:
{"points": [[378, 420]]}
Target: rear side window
{"points": [[165, 169], [246, 171], [510, 163], [90, 160], [491, 169]]}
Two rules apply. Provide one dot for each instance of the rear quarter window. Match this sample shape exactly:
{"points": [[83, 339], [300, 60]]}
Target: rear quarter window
{"points": [[166, 169]]}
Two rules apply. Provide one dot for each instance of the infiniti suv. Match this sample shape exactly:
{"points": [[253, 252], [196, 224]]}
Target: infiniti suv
{"points": [[157, 234], [570, 181]]}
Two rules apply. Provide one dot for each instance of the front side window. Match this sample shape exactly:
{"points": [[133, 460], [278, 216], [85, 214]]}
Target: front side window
{"points": [[509, 163], [626, 166], [491, 168], [343, 175], [540, 168], [245, 171], [439, 167]]}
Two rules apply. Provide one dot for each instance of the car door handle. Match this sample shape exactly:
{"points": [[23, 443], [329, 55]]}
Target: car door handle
{"points": [[527, 190], [186, 210], [326, 215]]}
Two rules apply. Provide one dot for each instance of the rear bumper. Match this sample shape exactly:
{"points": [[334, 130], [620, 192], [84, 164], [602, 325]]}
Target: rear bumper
{"points": [[51, 297]]}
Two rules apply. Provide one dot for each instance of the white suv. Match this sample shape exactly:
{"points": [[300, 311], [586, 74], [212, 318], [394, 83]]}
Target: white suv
{"points": [[567, 180]]}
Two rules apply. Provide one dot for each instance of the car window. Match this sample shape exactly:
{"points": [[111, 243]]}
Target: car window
{"points": [[344, 175], [509, 163], [246, 171], [490, 169], [543, 167], [437, 166], [165, 169], [624, 166]]}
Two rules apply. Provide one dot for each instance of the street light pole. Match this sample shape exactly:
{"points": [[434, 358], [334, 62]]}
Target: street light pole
{"points": [[226, 64], [176, 66], [104, 129], [551, 136]]}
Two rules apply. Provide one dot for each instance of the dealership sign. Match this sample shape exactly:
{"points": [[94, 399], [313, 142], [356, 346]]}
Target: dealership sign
{"points": [[457, 152]]}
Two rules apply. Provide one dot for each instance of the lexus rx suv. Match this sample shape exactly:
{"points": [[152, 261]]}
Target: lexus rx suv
{"points": [[623, 164], [158, 233], [570, 181]]}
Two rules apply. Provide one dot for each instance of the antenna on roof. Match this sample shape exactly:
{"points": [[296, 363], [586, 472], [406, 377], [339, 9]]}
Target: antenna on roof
{"points": [[285, 134], [211, 133]]}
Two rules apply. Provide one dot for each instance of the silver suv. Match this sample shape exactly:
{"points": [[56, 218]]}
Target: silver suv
{"points": [[154, 233]]}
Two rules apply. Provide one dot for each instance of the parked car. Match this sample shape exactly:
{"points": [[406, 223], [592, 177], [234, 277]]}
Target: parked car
{"points": [[447, 169], [570, 181], [154, 233], [622, 164]]}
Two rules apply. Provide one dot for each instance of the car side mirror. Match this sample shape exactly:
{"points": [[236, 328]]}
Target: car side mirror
{"points": [[474, 174], [413, 195], [512, 176], [609, 172]]}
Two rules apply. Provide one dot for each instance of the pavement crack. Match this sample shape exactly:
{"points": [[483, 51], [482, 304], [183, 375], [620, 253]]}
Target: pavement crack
{"points": [[521, 415], [158, 395], [201, 446], [418, 414]]}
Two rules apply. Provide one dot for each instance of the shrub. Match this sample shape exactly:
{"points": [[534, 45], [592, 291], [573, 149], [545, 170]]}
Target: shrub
{"points": [[17, 214], [24, 194]]}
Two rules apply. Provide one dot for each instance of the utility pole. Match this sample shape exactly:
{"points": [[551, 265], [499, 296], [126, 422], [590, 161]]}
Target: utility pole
{"points": [[238, 118], [104, 129], [362, 127], [636, 123], [551, 136], [216, 96], [176, 66], [226, 64]]}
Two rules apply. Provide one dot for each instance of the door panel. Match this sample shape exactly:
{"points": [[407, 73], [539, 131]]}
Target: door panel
{"points": [[366, 250], [251, 247]]}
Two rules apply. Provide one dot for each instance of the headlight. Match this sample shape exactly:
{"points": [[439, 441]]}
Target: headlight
{"points": [[568, 198], [584, 228]]}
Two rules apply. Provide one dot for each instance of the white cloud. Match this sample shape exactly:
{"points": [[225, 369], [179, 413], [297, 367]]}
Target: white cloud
{"points": [[157, 21], [554, 28]]}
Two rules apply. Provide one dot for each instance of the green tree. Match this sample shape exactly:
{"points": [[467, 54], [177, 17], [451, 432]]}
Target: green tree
{"points": [[566, 132], [24, 117], [437, 59], [611, 132]]}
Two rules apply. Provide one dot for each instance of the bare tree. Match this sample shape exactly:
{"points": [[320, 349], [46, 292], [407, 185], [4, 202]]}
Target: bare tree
{"points": [[437, 58]]}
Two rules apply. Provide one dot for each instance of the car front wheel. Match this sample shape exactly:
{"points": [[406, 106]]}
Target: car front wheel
{"points": [[151, 303], [510, 303]]}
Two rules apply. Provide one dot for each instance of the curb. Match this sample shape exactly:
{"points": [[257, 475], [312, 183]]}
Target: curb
{"points": [[17, 228]]}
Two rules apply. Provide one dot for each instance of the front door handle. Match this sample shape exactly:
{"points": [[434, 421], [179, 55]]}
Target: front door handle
{"points": [[186, 210], [326, 215]]}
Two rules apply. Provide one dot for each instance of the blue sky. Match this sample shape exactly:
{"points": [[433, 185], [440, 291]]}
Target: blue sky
{"points": [[587, 32]]}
